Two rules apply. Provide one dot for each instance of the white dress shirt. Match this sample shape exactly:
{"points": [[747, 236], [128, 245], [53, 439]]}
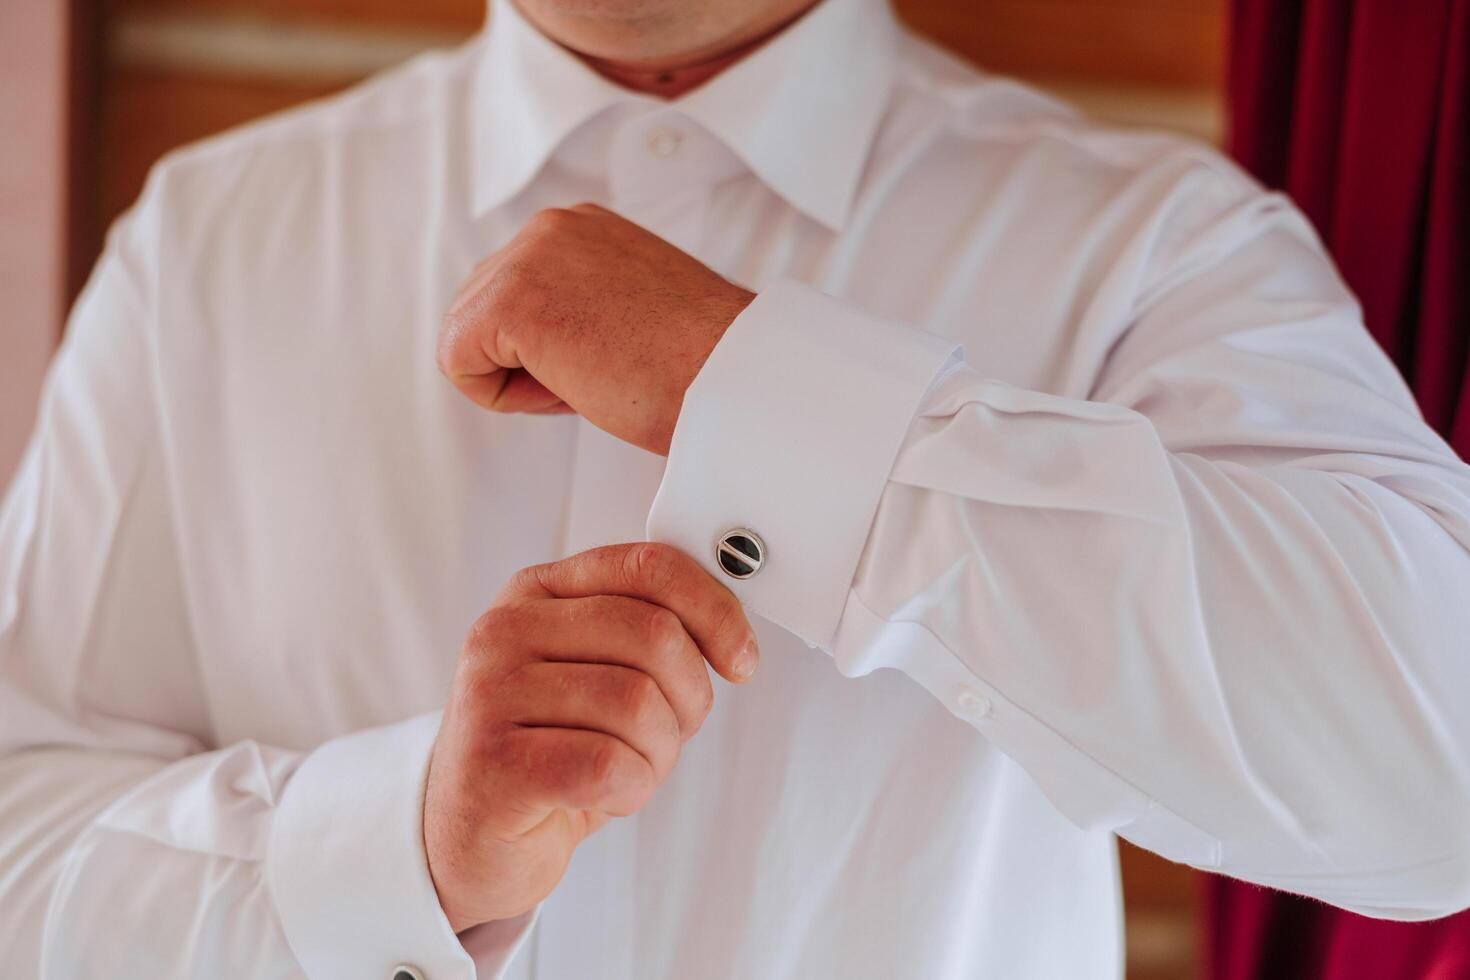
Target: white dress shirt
{"points": [[1077, 431]]}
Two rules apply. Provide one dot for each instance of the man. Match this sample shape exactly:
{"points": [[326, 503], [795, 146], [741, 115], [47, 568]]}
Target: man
{"points": [[1165, 552]]}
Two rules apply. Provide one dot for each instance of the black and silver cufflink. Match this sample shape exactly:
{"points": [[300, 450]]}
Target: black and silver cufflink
{"points": [[740, 552]]}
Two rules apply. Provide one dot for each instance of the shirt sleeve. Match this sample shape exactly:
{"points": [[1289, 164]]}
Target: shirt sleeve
{"points": [[132, 845], [1216, 605]]}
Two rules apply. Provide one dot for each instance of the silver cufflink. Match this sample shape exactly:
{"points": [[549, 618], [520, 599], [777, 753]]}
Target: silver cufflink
{"points": [[740, 552]]}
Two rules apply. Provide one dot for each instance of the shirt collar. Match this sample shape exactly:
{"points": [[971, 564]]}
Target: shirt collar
{"points": [[800, 111]]}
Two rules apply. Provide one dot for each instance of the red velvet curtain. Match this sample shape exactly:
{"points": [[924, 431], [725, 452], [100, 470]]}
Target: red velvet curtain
{"points": [[1360, 109]]}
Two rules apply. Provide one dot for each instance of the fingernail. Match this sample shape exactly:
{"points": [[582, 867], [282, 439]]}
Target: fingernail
{"points": [[746, 660]]}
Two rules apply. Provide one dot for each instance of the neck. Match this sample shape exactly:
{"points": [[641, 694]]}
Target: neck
{"points": [[673, 80], [672, 76]]}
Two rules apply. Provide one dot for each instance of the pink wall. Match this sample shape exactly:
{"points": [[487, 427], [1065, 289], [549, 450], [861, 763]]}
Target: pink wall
{"points": [[33, 179]]}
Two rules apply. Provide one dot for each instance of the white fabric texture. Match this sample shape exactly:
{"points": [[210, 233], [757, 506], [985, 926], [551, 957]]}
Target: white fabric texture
{"points": [[1169, 553]]}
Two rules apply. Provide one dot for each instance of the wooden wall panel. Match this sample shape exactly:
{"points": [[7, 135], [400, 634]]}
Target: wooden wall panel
{"points": [[466, 15], [1170, 42], [1161, 899], [149, 113], [1163, 43]]}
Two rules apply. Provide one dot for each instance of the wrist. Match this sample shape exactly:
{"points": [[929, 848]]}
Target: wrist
{"points": [[361, 794], [719, 312]]}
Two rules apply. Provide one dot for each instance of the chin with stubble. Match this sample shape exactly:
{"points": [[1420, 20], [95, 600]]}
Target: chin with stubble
{"points": [[658, 33]]}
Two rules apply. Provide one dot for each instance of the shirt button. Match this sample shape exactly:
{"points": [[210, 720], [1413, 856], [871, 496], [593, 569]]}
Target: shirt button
{"points": [[405, 972], [664, 142], [972, 704]]}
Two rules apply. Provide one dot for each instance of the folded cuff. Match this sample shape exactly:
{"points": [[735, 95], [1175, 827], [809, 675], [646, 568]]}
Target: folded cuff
{"points": [[348, 871], [790, 430]]}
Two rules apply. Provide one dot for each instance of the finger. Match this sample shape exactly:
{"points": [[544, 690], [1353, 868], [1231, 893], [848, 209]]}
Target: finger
{"points": [[662, 575], [523, 393], [560, 408], [573, 768], [510, 390], [471, 351], [587, 207], [484, 390], [618, 701], [466, 346], [608, 629]]}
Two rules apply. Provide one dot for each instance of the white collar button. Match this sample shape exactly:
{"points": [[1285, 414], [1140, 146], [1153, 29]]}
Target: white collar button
{"points": [[664, 141]]}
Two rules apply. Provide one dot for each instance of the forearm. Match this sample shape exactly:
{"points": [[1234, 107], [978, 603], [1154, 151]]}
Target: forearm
{"points": [[248, 860], [91, 868], [48, 798], [1215, 613], [1249, 667]]}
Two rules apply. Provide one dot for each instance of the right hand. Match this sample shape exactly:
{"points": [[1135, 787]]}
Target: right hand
{"points": [[573, 697]]}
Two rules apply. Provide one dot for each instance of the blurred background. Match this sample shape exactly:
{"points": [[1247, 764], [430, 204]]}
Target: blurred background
{"points": [[92, 92]]}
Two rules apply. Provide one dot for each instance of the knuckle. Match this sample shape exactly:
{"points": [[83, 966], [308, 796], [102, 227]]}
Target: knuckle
{"points": [[528, 581], [509, 293], [472, 706], [476, 683], [706, 702], [456, 347], [494, 626], [671, 762], [491, 660], [665, 631], [550, 221], [484, 747], [514, 276], [447, 350], [640, 697], [604, 767], [651, 567], [696, 711], [481, 635]]}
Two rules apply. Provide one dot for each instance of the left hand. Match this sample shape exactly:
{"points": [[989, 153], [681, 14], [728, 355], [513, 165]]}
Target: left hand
{"points": [[586, 312]]}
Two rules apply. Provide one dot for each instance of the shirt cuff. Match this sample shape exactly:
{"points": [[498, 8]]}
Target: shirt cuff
{"points": [[348, 872], [790, 431]]}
